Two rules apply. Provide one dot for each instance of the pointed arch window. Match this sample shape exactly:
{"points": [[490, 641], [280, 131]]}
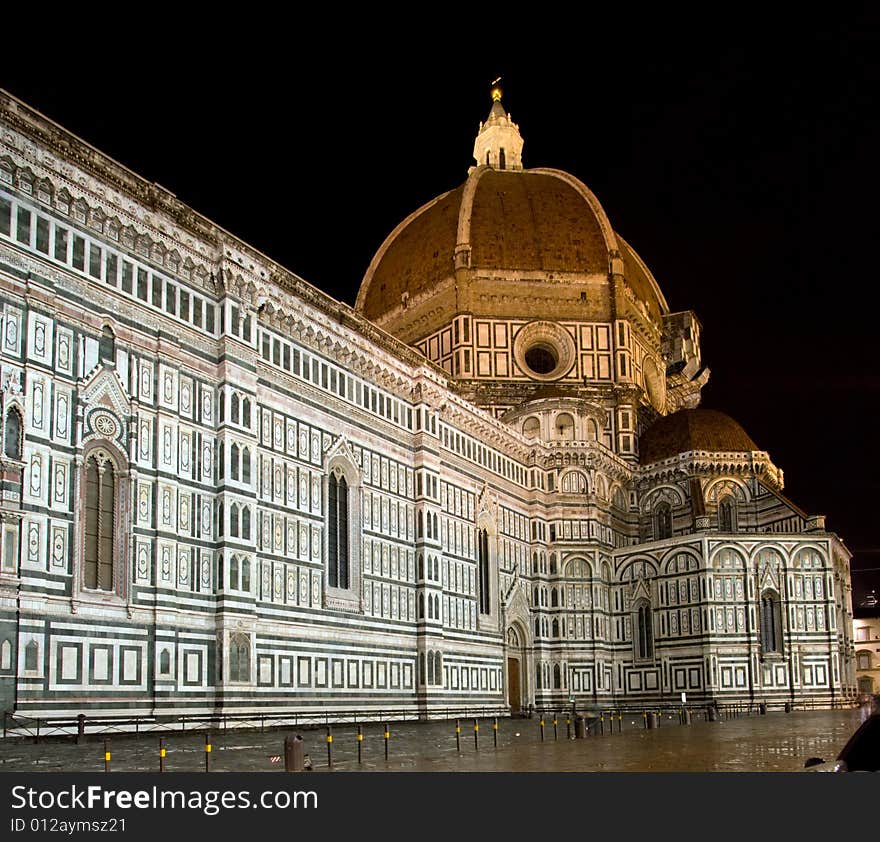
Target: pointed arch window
{"points": [[337, 532], [644, 631], [12, 435], [726, 515], [240, 658], [771, 623], [662, 522], [100, 516], [483, 570]]}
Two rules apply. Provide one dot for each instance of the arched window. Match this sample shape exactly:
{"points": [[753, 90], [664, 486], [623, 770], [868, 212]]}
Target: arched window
{"points": [[557, 677], [234, 406], [531, 427], [246, 412], [12, 435], [421, 606], [644, 642], [483, 568], [726, 515], [554, 628], [438, 668], [107, 346], [100, 516], [430, 667], [6, 655], [422, 676], [31, 656], [246, 466], [234, 462], [501, 159], [337, 532], [233, 572], [554, 598], [239, 658], [233, 520], [246, 522], [771, 623], [662, 522], [419, 525], [564, 426], [245, 575]]}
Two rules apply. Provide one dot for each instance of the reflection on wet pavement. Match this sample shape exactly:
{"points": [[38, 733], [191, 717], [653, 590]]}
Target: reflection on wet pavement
{"points": [[775, 742]]}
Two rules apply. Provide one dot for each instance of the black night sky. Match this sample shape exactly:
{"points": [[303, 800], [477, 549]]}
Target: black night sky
{"points": [[738, 157]]}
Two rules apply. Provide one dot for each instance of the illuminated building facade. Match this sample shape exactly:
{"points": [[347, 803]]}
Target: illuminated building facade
{"points": [[488, 483]]}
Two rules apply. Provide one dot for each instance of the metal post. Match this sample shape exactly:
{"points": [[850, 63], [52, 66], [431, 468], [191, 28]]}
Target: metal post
{"points": [[208, 752], [619, 722], [602, 721], [293, 754], [542, 727], [329, 747], [555, 723], [5, 714], [457, 736], [495, 730], [37, 740], [476, 734], [161, 754], [106, 756], [645, 717], [387, 737], [80, 728], [568, 726], [360, 741]]}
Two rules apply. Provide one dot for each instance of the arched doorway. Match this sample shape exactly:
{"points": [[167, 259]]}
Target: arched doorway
{"points": [[514, 669]]}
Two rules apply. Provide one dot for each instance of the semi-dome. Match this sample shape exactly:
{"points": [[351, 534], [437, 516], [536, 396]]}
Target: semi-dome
{"points": [[693, 429]]}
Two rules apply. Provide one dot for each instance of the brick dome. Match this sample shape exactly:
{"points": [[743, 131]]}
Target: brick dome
{"points": [[693, 429]]}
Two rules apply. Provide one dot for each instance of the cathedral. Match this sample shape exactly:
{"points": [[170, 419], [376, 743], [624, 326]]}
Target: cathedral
{"points": [[488, 484]]}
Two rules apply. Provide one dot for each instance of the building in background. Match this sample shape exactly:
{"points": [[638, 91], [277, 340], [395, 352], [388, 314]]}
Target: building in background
{"points": [[866, 640], [487, 484]]}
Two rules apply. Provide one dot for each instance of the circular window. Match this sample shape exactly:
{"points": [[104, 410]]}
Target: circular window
{"points": [[544, 350], [541, 358]]}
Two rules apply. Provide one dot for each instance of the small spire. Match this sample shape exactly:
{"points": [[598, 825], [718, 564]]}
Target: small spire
{"points": [[496, 90]]}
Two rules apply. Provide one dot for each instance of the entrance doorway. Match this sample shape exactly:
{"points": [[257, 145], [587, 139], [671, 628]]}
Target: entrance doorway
{"points": [[514, 689]]}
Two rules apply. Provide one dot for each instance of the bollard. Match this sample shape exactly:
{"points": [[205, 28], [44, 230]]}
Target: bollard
{"points": [[685, 716], [495, 730], [80, 728], [602, 722], [329, 747], [652, 720], [555, 723], [293, 754], [5, 714], [762, 708], [568, 727], [387, 737], [542, 728], [645, 719], [161, 754], [37, 739], [476, 734], [106, 755], [457, 736], [360, 741], [789, 707], [208, 752], [580, 731]]}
